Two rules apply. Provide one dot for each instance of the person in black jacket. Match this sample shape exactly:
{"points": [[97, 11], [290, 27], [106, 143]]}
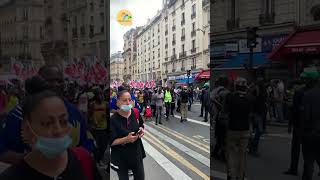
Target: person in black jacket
{"points": [[183, 107], [311, 125], [239, 106]]}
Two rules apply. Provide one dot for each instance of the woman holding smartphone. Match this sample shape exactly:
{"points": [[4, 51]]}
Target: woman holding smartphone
{"points": [[127, 128]]}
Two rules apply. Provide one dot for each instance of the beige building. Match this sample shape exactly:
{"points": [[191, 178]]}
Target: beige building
{"points": [[87, 29], [21, 32], [186, 36], [116, 66], [175, 40], [55, 45], [149, 56], [276, 19], [130, 70]]}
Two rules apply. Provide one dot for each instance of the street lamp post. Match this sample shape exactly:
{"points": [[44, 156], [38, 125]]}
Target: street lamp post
{"points": [[204, 32]]}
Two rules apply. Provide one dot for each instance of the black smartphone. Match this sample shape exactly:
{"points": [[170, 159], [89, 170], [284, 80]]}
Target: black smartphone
{"points": [[138, 133]]}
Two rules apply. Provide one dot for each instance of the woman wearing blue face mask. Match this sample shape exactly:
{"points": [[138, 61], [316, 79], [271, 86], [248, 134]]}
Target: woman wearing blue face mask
{"points": [[127, 128], [46, 126]]}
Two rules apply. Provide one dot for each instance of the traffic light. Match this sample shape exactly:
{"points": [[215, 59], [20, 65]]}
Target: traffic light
{"points": [[188, 72], [252, 37]]}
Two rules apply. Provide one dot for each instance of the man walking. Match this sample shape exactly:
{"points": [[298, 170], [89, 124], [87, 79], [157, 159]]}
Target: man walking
{"points": [[238, 106], [311, 125], [159, 104], [184, 101]]}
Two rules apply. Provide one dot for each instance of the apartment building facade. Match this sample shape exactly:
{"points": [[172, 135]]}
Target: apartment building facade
{"points": [[117, 65], [276, 20], [87, 29], [175, 40], [21, 33]]}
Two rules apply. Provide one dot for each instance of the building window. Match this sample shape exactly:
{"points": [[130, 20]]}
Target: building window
{"points": [[182, 48], [182, 17], [268, 6], [174, 51], [193, 44], [25, 14], [166, 54], [193, 26], [233, 9], [158, 40], [193, 11], [158, 53], [183, 32]]}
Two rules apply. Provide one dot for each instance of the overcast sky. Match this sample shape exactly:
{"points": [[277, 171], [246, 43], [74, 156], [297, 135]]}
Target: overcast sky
{"points": [[141, 10]]}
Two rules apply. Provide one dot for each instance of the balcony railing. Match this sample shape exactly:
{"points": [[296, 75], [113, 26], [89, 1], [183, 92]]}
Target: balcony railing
{"points": [[183, 38], [193, 15], [82, 31], [166, 32], [182, 54], [173, 57], [74, 33], [193, 33], [183, 68], [183, 22], [166, 46], [91, 33], [173, 42], [193, 50], [232, 24], [265, 19], [173, 27]]}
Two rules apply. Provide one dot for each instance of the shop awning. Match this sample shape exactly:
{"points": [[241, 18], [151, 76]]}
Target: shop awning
{"points": [[239, 62], [300, 41], [203, 75]]}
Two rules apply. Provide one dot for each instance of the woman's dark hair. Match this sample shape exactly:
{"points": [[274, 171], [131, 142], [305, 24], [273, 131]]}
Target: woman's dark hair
{"points": [[32, 101], [121, 93], [35, 85]]}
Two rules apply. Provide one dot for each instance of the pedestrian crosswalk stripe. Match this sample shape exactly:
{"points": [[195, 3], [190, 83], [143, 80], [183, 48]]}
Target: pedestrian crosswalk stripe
{"points": [[194, 121], [181, 147], [186, 139], [153, 140], [165, 163]]}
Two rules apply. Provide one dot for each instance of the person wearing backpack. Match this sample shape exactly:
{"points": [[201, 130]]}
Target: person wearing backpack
{"points": [[238, 105], [206, 101], [127, 129], [217, 98]]}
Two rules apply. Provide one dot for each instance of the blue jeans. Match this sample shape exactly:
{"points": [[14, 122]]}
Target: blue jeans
{"points": [[279, 111], [190, 102], [258, 129]]}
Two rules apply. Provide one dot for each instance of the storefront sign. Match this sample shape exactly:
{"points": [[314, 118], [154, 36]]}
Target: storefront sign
{"points": [[223, 49], [244, 49], [271, 42]]}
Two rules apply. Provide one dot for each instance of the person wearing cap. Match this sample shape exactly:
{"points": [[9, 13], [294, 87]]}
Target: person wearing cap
{"points": [[295, 123], [238, 105], [310, 125]]}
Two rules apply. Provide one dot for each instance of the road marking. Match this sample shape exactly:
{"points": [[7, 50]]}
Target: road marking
{"points": [[183, 148], [184, 138], [194, 121], [167, 165], [174, 155]]}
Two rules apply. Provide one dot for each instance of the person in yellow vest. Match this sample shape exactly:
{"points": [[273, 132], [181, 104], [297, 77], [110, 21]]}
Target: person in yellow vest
{"points": [[167, 102], [12, 101], [99, 126]]}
